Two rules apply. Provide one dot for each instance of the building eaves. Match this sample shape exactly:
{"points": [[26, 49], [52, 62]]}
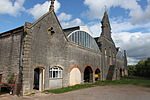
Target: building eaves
{"points": [[10, 32]]}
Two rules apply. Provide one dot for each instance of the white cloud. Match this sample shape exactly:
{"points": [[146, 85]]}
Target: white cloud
{"points": [[72, 23], [64, 17], [137, 14], [40, 9], [136, 44], [96, 29], [11, 8], [132, 61]]}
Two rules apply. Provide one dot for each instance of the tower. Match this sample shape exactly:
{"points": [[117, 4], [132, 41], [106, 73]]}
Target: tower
{"points": [[106, 28]]}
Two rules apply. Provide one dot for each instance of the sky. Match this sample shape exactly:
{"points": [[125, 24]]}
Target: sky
{"points": [[129, 19]]}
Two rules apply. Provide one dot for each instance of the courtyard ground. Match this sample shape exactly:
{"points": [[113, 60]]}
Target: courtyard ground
{"points": [[112, 92]]}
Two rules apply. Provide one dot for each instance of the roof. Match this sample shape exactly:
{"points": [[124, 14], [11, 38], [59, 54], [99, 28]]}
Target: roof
{"points": [[120, 55], [67, 31], [96, 38], [10, 32]]}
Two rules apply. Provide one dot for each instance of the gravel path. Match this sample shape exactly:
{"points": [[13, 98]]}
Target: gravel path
{"points": [[94, 93]]}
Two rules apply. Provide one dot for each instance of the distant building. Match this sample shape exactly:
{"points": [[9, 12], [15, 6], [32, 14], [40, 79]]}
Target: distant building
{"points": [[43, 56]]}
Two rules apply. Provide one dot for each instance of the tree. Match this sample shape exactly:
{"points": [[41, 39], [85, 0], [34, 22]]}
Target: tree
{"points": [[141, 69]]}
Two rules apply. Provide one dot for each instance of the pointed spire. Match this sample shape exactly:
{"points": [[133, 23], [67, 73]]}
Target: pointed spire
{"points": [[52, 5], [105, 19], [106, 28]]}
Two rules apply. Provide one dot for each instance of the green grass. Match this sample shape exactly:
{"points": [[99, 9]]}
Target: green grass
{"points": [[69, 88], [125, 81]]}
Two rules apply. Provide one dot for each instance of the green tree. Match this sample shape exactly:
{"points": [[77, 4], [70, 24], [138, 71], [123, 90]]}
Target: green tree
{"points": [[141, 69]]}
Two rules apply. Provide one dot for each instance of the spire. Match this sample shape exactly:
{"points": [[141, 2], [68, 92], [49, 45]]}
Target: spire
{"points": [[52, 5], [106, 28], [105, 20]]}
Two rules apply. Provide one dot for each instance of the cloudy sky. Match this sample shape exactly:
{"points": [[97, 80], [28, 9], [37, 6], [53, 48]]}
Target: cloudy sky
{"points": [[130, 19]]}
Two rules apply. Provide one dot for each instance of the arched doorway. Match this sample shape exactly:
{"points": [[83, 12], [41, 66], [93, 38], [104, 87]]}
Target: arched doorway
{"points": [[97, 74], [75, 76], [88, 74], [38, 79]]}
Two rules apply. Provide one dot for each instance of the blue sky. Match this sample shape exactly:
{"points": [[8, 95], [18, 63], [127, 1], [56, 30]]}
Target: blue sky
{"points": [[130, 19]]}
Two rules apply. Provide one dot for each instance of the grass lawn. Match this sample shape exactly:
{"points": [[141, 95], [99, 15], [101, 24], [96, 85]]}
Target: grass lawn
{"points": [[124, 81]]}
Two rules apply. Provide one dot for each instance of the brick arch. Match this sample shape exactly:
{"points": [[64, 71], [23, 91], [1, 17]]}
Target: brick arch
{"points": [[88, 65], [98, 68], [75, 66]]}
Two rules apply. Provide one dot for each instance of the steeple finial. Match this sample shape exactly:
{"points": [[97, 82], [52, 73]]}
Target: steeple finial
{"points": [[52, 5]]}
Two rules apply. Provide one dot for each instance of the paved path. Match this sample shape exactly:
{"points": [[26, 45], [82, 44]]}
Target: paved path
{"points": [[94, 93]]}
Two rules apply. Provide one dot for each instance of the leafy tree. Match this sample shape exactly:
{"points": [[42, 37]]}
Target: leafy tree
{"points": [[141, 69]]}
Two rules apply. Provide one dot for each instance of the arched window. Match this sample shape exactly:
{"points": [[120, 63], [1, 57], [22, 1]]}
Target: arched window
{"points": [[55, 72], [82, 38]]}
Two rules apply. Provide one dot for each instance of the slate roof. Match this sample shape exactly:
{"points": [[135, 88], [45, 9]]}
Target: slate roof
{"points": [[10, 32], [68, 31]]}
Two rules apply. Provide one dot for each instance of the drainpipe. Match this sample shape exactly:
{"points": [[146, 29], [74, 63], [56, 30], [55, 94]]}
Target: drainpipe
{"points": [[19, 91]]}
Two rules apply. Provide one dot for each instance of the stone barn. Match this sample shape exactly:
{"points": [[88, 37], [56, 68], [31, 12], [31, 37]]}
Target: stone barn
{"points": [[42, 55]]}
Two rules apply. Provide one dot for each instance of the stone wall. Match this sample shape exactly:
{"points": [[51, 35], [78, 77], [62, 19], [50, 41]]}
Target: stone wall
{"points": [[108, 55], [45, 45], [9, 54], [43, 50]]}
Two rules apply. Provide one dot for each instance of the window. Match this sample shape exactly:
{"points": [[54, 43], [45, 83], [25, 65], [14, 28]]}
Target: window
{"points": [[105, 52], [55, 72], [110, 60], [82, 38], [51, 31]]}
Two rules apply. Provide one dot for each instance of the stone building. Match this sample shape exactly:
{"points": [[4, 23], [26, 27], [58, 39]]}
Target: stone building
{"points": [[42, 55]]}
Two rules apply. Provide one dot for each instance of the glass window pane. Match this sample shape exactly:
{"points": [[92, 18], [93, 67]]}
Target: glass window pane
{"points": [[54, 75], [55, 72], [84, 39]]}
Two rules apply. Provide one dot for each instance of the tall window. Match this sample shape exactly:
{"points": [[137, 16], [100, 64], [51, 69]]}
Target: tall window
{"points": [[55, 72], [110, 60], [105, 52]]}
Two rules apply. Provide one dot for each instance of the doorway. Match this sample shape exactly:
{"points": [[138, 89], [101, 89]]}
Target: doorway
{"points": [[97, 75], [88, 74], [38, 79], [75, 76]]}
